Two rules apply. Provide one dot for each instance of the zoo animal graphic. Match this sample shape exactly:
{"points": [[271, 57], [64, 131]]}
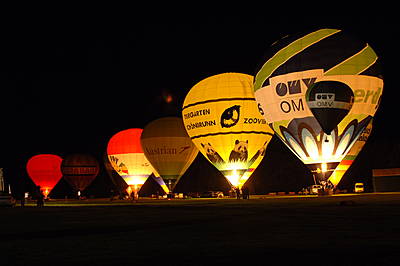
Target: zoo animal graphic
{"points": [[239, 153], [212, 154]]}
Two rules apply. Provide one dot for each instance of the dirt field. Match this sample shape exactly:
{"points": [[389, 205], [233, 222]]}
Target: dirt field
{"points": [[325, 230]]}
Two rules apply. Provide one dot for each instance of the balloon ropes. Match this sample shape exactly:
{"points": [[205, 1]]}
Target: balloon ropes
{"points": [[221, 117], [319, 91], [168, 148], [45, 171]]}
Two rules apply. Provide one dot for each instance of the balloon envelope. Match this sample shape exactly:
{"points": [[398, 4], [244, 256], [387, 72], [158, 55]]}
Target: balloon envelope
{"points": [[168, 148], [127, 158], [348, 160], [116, 179], [45, 171], [222, 118], [303, 90], [79, 170]]}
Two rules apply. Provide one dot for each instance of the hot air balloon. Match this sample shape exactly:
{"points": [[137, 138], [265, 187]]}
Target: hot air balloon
{"points": [[348, 160], [79, 170], [319, 91], [222, 119], [116, 179], [45, 171], [127, 158], [168, 148]]}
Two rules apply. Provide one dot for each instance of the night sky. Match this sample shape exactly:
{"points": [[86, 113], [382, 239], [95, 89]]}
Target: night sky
{"points": [[67, 87]]}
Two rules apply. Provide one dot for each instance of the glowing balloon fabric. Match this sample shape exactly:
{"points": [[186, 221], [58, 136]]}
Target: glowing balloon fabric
{"points": [[79, 170], [168, 148], [319, 91], [348, 160], [127, 158], [221, 117], [116, 179], [45, 171]]}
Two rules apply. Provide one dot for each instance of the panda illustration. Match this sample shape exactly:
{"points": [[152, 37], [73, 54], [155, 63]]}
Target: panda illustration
{"points": [[239, 152], [212, 155]]}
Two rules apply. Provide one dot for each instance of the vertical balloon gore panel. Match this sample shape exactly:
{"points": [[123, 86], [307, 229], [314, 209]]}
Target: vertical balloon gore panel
{"points": [[221, 117]]}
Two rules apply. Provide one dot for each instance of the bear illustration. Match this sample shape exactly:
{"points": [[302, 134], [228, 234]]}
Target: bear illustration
{"points": [[212, 155], [239, 152]]}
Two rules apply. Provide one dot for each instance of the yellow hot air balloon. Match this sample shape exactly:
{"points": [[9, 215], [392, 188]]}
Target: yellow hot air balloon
{"points": [[221, 117], [319, 91], [168, 148]]}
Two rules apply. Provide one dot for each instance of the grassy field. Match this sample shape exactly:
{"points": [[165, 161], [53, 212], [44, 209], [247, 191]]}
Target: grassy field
{"points": [[325, 230]]}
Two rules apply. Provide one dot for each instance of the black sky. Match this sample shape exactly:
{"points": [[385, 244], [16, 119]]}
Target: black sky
{"points": [[68, 86]]}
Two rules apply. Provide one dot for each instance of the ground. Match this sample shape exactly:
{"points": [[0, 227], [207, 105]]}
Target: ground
{"points": [[325, 230]]}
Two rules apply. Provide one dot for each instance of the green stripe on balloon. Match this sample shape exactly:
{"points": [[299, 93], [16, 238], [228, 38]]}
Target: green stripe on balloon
{"points": [[288, 52], [355, 64]]}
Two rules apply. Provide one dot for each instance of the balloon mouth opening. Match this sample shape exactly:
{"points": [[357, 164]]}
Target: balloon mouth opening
{"points": [[46, 191]]}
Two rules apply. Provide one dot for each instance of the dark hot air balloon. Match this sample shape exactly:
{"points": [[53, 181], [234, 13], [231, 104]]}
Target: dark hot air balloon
{"points": [[79, 170]]}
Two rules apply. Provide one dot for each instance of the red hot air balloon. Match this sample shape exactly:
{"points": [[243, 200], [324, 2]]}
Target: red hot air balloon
{"points": [[45, 171], [79, 170]]}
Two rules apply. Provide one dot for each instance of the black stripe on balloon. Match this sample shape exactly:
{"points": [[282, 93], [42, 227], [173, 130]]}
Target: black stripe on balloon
{"points": [[324, 54], [220, 100], [233, 132]]}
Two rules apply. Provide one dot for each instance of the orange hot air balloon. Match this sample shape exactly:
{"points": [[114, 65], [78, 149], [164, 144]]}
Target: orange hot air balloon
{"points": [[79, 170], [44, 170], [126, 156]]}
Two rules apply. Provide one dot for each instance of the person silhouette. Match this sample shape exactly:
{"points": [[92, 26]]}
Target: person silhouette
{"points": [[40, 198], [238, 195], [246, 192]]}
